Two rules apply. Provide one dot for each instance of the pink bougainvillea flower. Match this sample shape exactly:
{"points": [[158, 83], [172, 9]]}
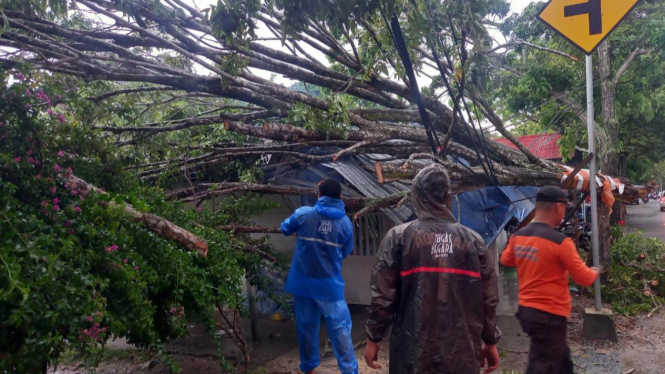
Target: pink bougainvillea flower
{"points": [[71, 232], [115, 265], [17, 159], [199, 209], [62, 118], [107, 249], [68, 223], [92, 333], [44, 203], [50, 112], [61, 154], [114, 247], [31, 160], [44, 97], [29, 152], [125, 261], [136, 268], [2, 124], [27, 106], [56, 208], [58, 97], [57, 168], [78, 209], [69, 170], [52, 189], [74, 192], [38, 176], [56, 201], [89, 318], [20, 76], [27, 92]]}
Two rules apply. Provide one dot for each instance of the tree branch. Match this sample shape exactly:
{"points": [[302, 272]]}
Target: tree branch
{"points": [[525, 43], [489, 113], [107, 95], [626, 65], [156, 224], [250, 229]]}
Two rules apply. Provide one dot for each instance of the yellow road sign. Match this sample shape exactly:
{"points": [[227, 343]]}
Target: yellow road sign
{"points": [[586, 23]]}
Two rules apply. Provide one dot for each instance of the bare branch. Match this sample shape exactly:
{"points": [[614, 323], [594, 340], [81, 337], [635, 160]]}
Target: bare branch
{"points": [[107, 95], [488, 112], [629, 61], [525, 43]]}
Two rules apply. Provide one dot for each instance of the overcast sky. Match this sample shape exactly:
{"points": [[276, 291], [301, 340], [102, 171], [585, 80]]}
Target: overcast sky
{"points": [[519, 5]]}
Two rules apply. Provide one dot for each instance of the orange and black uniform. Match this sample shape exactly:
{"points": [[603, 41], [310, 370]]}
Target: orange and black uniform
{"points": [[544, 259]]}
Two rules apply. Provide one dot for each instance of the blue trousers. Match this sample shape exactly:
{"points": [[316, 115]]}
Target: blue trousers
{"points": [[338, 323]]}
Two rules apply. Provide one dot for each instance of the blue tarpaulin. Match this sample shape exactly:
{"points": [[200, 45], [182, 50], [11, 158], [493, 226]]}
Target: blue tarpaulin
{"points": [[487, 211]]}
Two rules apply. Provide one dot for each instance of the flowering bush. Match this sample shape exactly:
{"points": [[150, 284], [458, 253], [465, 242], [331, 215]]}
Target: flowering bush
{"points": [[74, 271]]}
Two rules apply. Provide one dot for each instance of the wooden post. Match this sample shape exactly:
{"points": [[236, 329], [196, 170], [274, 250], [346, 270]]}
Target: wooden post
{"points": [[253, 312]]}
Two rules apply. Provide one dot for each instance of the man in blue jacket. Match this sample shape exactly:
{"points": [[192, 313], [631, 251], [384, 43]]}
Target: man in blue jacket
{"points": [[325, 239]]}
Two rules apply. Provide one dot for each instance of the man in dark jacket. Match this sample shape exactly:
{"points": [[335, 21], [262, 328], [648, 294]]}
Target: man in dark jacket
{"points": [[437, 285], [325, 238]]}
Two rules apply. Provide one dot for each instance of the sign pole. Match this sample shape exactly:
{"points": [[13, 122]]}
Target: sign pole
{"points": [[592, 175]]}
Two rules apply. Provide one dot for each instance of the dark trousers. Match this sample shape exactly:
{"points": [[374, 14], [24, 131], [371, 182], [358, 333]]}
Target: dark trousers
{"points": [[549, 352]]}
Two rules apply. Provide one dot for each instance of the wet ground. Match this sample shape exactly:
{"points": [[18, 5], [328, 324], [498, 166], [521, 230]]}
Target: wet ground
{"points": [[641, 346], [647, 218]]}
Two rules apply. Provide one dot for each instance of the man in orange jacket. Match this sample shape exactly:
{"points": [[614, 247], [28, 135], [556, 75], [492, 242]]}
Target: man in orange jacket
{"points": [[544, 259]]}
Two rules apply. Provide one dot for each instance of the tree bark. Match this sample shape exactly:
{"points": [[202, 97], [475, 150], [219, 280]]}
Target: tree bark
{"points": [[463, 178], [608, 151], [619, 208], [156, 224]]}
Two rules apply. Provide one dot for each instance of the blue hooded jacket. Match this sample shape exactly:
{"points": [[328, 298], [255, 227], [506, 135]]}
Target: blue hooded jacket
{"points": [[325, 238]]}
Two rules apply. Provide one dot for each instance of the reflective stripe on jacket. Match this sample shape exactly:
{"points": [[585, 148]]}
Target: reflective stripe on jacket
{"points": [[436, 285]]}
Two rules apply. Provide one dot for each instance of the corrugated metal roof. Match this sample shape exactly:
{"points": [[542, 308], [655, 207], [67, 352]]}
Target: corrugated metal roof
{"points": [[367, 183]]}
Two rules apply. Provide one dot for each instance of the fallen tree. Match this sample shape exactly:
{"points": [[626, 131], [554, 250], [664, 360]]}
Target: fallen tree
{"points": [[353, 89]]}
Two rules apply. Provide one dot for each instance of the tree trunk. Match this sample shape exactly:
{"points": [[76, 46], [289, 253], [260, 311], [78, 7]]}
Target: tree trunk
{"points": [[608, 152], [619, 209]]}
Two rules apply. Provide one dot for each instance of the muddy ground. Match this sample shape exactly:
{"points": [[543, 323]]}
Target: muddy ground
{"points": [[641, 347]]}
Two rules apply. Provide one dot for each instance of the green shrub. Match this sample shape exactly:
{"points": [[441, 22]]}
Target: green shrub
{"points": [[636, 261], [74, 271]]}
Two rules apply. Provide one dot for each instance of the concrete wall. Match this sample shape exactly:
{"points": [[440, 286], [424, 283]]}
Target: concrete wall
{"points": [[274, 218]]}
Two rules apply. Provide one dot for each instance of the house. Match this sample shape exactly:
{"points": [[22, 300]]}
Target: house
{"points": [[545, 146], [488, 211]]}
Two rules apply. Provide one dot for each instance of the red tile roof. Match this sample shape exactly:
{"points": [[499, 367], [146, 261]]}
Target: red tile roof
{"points": [[545, 146]]}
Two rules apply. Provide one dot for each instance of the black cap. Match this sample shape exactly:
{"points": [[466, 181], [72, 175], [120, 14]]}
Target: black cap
{"points": [[551, 194]]}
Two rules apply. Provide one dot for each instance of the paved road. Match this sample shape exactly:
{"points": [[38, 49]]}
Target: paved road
{"points": [[647, 218]]}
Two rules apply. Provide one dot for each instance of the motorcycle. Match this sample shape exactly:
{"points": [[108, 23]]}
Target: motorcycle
{"points": [[584, 230]]}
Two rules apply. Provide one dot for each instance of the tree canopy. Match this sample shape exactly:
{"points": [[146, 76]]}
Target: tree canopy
{"points": [[165, 104]]}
